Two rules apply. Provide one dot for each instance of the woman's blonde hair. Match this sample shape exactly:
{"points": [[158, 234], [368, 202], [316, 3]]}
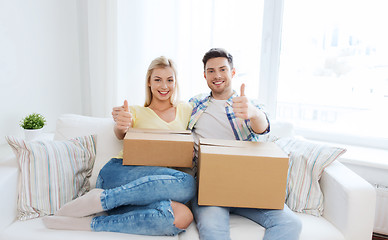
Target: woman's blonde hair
{"points": [[161, 62]]}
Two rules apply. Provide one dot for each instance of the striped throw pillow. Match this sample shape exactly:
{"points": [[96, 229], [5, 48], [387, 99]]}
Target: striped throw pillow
{"points": [[52, 173], [307, 162]]}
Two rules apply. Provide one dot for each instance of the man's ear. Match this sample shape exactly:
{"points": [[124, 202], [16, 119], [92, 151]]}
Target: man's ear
{"points": [[204, 74], [233, 72]]}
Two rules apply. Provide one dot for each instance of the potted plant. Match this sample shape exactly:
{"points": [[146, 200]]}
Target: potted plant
{"points": [[33, 125]]}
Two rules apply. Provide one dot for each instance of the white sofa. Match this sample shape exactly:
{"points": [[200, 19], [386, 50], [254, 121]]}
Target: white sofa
{"points": [[349, 201]]}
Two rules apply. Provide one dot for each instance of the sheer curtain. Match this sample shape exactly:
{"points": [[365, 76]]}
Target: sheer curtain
{"points": [[184, 31], [119, 39], [98, 48]]}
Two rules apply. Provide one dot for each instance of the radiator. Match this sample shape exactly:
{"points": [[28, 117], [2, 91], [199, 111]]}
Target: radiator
{"points": [[381, 217]]}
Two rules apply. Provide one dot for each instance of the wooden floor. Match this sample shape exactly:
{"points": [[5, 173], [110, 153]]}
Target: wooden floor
{"points": [[377, 236]]}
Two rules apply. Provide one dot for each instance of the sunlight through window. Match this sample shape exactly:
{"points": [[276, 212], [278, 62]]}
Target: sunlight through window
{"points": [[333, 75]]}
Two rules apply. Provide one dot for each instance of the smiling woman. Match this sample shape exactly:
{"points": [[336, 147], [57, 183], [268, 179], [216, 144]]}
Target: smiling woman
{"points": [[161, 82], [162, 85], [129, 194]]}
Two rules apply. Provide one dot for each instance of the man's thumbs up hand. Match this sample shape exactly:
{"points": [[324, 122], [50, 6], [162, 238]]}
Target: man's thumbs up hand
{"points": [[242, 107], [242, 90]]}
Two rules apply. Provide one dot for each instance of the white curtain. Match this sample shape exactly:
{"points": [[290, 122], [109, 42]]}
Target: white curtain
{"points": [[97, 31], [119, 39], [184, 31]]}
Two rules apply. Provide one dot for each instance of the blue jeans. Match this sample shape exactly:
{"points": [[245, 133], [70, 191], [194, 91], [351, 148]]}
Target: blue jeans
{"points": [[213, 221], [137, 199]]}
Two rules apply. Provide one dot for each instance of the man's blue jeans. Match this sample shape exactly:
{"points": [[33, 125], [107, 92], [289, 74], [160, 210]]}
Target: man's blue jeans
{"points": [[138, 198], [213, 222]]}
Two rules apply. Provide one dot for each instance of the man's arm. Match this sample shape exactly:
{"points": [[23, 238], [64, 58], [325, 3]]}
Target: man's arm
{"points": [[259, 122]]}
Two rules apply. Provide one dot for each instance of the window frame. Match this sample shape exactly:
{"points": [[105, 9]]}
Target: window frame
{"points": [[270, 54]]}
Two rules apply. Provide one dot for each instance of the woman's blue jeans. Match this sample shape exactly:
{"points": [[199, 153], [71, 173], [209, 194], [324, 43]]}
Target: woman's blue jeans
{"points": [[137, 199]]}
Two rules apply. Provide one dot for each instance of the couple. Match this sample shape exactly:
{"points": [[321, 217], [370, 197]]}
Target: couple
{"points": [[151, 200]]}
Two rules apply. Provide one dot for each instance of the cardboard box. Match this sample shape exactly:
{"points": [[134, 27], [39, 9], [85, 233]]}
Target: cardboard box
{"points": [[242, 174], [155, 147]]}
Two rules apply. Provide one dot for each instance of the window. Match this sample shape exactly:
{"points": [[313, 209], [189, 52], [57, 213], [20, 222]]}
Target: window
{"points": [[321, 64], [333, 74]]}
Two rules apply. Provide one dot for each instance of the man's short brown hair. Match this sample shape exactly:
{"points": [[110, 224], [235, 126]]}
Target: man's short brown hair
{"points": [[215, 53]]}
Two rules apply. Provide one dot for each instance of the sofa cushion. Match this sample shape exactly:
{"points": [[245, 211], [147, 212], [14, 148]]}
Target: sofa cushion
{"points": [[307, 162], [9, 174], [52, 173], [107, 145], [241, 228], [318, 228]]}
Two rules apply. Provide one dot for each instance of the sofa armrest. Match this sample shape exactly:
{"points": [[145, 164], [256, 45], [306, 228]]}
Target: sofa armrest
{"points": [[349, 202], [9, 174]]}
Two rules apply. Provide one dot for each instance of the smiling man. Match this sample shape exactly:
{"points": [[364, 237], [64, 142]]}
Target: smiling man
{"points": [[223, 114], [218, 74]]}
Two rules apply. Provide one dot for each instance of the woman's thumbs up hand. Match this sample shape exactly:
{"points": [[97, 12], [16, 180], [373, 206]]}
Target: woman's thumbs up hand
{"points": [[123, 117]]}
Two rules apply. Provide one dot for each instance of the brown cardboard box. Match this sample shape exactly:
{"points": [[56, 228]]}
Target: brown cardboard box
{"points": [[152, 147], [242, 174]]}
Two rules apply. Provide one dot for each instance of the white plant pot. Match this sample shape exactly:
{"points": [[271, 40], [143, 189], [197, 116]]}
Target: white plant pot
{"points": [[32, 134]]}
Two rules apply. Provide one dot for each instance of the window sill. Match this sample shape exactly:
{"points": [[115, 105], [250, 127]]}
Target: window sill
{"points": [[364, 156]]}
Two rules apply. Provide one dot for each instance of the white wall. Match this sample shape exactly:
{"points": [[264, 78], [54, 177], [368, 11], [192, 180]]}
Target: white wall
{"points": [[39, 61]]}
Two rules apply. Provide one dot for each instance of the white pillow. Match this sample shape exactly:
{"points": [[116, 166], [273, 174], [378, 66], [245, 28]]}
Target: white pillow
{"points": [[108, 146], [52, 173], [278, 129], [307, 162]]}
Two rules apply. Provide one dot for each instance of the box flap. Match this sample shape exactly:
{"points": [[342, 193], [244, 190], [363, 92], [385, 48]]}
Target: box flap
{"points": [[158, 137], [227, 143], [158, 131], [235, 147]]}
